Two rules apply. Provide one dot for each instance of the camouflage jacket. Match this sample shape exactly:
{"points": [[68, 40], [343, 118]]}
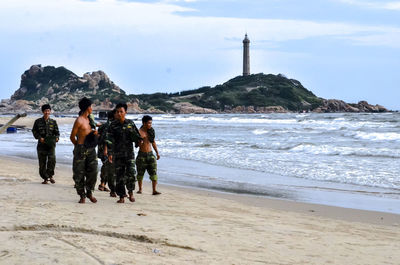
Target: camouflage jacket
{"points": [[120, 138], [45, 129], [103, 129], [151, 134]]}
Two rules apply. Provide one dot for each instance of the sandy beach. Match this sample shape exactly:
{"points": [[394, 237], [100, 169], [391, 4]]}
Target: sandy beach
{"points": [[44, 224], [30, 120]]}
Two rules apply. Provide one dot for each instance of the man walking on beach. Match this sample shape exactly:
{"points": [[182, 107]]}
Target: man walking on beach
{"points": [[146, 159], [107, 173], [84, 166], [46, 131], [122, 133]]}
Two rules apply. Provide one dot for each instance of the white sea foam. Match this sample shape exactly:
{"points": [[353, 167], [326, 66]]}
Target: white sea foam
{"points": [[345, 151], [375, 136], [260, 132], [258, 121], [344, 148]]}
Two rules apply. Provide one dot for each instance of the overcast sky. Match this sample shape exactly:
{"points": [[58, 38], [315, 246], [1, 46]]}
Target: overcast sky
{"points": [[343, 49]]}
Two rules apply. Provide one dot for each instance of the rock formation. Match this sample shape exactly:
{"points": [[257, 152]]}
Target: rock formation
{"points": [[256, 93]]}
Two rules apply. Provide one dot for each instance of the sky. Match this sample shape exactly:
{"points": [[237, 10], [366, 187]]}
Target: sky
{"points": [[338, 49]]}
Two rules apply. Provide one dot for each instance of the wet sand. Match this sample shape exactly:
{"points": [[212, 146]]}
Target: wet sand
{"points": [[43, 224]]}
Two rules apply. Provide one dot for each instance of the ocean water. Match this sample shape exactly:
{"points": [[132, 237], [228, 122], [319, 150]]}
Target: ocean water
{"points": [[294, 156]]}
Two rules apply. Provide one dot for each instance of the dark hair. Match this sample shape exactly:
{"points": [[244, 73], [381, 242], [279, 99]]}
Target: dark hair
{"points": [[84, 103], [146, 118], [121, 105], [45, 107], [110, 114]]}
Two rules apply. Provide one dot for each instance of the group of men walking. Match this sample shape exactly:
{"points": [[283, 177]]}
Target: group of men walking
{"points": [[114, 139]]}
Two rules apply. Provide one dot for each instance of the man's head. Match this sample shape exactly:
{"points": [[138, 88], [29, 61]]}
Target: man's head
{"points": [[46, 109], [120, 111], [85, 104], [147, 121]]}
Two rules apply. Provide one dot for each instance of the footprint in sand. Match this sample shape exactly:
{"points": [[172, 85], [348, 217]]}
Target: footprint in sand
{"points": [[4, 253]]}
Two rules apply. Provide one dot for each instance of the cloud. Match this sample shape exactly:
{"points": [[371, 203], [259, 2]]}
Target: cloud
{"points": [[393, 6], [373, 4], [161, 20]]}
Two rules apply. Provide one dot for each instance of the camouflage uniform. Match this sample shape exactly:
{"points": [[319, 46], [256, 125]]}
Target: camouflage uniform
{"points": [[147, 161], [107, 173], [120, 137], [46, 151], [84, 167]]}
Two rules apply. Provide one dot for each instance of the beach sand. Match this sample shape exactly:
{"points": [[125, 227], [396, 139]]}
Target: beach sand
{"points": [[44, 224], [30, 120]]}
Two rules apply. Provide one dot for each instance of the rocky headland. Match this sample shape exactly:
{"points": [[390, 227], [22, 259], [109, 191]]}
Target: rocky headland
{"points": [[257, 93]]}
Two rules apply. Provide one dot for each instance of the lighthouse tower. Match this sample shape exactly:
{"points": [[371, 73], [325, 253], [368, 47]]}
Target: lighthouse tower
{"points": [[246, 56]]}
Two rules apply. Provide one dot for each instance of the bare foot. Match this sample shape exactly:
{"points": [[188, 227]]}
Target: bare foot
{"points": [[101, 188], [139, 192], [82, 200], [131, 196], [52, 180], [121, 200], [92, 198], [156, 193], [45, 182], [112, 194]]}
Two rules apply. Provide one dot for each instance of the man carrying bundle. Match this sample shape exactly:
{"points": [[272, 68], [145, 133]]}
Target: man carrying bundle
{"points": [[47, 133], [84, 138]]}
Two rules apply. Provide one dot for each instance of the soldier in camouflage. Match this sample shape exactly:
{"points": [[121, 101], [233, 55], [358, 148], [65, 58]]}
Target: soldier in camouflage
{"points": [[46, 131], [121, 135], [146, 159], [107, 173], [84, 138]]}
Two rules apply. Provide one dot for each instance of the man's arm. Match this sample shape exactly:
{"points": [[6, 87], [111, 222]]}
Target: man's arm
{"points": [[109, 143], [56, 131], [155, 149], [105, 150], [35, 130], [74, 132]]}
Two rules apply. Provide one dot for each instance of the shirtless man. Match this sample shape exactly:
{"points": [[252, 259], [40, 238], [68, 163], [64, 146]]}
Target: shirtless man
{"points": [[146, 159], [84, 165]]}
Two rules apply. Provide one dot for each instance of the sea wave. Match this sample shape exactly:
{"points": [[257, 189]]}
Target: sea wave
{"points": [[310, 148], [260, 132], [378, 136]]}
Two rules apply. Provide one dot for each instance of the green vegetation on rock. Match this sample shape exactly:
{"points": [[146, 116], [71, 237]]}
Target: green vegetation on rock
{"points": [[256, 90]]}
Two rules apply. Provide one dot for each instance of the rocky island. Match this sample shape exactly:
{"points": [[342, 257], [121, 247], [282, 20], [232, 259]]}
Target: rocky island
{"points": [[256, 93]]}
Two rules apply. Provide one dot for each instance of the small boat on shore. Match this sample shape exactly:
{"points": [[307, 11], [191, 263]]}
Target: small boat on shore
{"points": [[12, 130]]}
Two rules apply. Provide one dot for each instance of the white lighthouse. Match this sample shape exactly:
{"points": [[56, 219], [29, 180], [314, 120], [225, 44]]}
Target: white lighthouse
{"points": [[246, 56]]}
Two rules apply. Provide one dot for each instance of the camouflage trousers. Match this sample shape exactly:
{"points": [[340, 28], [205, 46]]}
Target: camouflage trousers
{"points": [[47, 161], [125, 174], [107, 173], [84, 167], [146, 161]]}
